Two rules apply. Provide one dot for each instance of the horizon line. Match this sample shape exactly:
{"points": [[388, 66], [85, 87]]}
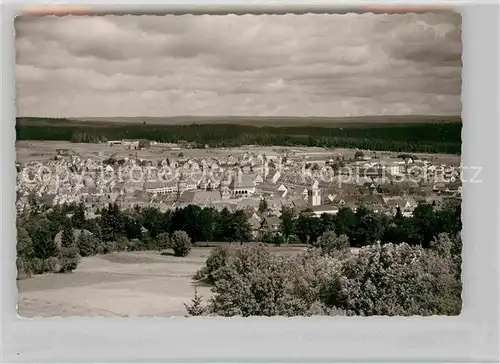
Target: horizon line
{"points": [[242, 116]]}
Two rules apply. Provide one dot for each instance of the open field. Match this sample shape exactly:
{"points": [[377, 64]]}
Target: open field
{"points": [[38, 150], [42, 151], [119, 284]]}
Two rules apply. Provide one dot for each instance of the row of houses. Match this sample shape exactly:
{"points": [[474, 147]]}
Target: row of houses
{"points": [[135, 144]]}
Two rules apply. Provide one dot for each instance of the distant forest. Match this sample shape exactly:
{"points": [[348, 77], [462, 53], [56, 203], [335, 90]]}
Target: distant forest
{"points": [[440, 136]]}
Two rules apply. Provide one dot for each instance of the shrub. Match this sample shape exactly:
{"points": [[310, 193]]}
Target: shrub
{"points": [[320, 309], [134, 244], [24, 243], [201, 274], [399, 280], [266, 237], [275, 238], [69, 254], [69, 259], [449, 249], [442, 245], [314, 278], [162, 241], [278, 239], [43, 242], [216, 260], [181, 243], [253, 282], [52, 265], [101, 247], [24, 268], [121, 244], [330, 243], [37, 265], [196, 308], [25, 253], [109, 247]]}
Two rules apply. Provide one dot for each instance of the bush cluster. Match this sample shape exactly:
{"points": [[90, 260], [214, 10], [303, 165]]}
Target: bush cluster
{"points": [[180, 243], [382, 279]]}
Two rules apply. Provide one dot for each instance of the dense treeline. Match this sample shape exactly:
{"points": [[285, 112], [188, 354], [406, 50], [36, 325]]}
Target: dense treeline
{"points": [[405, 266], [151, 229], [365, 227], [438, 137]]}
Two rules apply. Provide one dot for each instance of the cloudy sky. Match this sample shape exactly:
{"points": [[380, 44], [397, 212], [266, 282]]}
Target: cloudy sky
{"points": [[290, 65]]}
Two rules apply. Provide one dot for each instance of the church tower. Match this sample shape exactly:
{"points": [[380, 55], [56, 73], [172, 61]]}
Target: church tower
{"points": [[181, 185], [224, 187], [314, 195]]}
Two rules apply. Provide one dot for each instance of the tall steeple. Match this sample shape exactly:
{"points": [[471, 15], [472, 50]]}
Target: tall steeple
{"points": [[314, 195], [181, 185]]}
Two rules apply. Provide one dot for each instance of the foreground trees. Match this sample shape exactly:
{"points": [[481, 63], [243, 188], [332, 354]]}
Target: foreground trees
{"points": [[163, 241], [395, 280], [389, 279], [252, 281], [330, 243]]}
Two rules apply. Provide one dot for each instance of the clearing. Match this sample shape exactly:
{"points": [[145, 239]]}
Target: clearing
{"points": [[119, 284]]}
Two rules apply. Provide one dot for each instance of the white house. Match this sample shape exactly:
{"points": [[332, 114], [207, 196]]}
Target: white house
{"points": [[284, 191], [129, 143], [258, 179], [325, 209]]}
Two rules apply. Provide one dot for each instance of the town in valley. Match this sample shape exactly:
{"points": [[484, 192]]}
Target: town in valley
{"points": [[168, 176]]}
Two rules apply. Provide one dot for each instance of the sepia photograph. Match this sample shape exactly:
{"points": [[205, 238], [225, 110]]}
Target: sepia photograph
{"points": [[239, 165]]}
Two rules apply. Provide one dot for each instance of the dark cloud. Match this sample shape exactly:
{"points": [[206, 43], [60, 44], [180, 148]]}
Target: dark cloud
{"points": [[324, 65], [444, 54]]}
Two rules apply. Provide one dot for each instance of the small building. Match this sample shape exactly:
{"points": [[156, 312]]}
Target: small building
{"points": [[325, 209]]}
